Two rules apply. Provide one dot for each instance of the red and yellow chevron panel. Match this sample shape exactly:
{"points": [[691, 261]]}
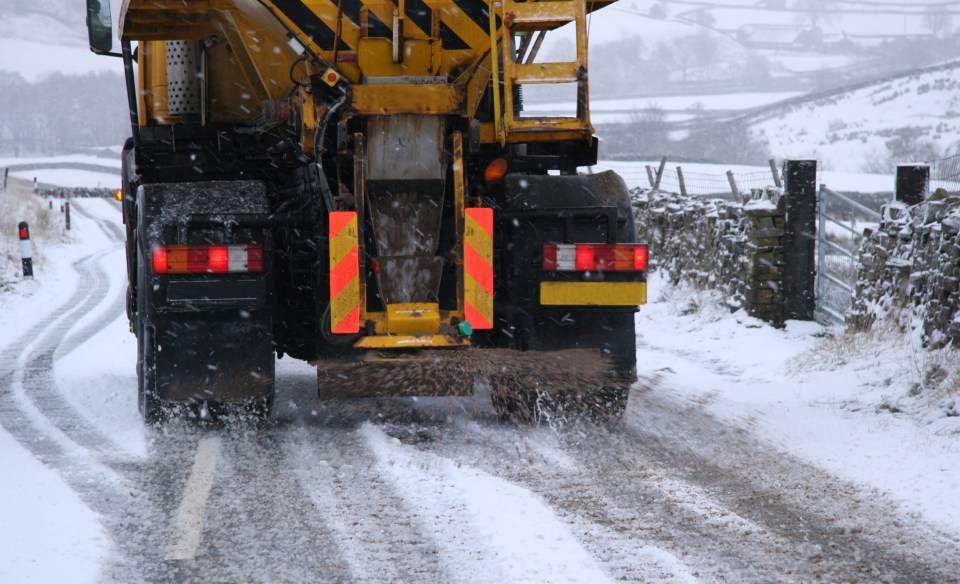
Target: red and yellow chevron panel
{"points": [[344, 273], [478, 267]]}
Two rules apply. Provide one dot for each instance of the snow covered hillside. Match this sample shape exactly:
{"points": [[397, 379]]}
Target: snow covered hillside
{"points": [[50, 36], [912, 118]]}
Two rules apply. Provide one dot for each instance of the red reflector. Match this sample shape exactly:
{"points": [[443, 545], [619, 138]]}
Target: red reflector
{"points": [[160, 260], [585, 259], [24, 234], [218, 259], [549, 257], [640, 258], [255, 258]]}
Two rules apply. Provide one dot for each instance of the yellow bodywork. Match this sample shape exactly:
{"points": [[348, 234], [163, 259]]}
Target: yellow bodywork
{"points": [[424, 57], [419, 57], [413, 318], [593, 293]]}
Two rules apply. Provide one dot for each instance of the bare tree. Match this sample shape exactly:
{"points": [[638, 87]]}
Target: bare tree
{"points": [[938, 20], [814, 12], [658, 11]]}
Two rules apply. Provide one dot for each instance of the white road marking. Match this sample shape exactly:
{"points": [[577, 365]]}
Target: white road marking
{"points": [[188, 524]]}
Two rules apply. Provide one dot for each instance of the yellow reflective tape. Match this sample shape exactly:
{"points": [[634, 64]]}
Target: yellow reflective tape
{"points": [[476, 234], [478, 267], [344, 273], [479, 304], [593, 293]]}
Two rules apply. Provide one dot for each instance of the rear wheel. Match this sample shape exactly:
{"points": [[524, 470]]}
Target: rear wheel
{"points": [[607, 344], [147, 401]]}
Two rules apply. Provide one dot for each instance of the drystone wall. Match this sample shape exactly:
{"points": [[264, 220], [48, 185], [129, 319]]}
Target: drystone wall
{"points": [[910, 270], [733, 246]]}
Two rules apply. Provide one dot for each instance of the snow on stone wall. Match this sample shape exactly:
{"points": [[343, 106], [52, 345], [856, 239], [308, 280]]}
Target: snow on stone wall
{"points": [[910, 270], [732, 246]]}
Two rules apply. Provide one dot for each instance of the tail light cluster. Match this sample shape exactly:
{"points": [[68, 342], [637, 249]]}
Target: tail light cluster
{"points": [[207, 259], [594, 257]]}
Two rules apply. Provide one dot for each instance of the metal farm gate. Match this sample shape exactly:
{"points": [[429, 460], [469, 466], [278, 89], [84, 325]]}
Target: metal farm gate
{"points": [[841, 221]]}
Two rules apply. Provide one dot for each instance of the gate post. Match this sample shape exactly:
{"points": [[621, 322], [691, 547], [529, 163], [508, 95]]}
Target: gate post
{"points": [[913, 181], [799, 240]]}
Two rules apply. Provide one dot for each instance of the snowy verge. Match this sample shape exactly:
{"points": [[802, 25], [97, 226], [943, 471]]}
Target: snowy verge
{"points": [[48, 533], [839, 401]]}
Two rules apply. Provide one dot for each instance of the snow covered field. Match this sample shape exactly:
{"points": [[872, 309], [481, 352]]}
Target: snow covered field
{"points": [[841, 403]]}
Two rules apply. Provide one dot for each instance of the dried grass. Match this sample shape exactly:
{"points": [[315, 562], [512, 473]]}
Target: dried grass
{"points": [[19, 203]]}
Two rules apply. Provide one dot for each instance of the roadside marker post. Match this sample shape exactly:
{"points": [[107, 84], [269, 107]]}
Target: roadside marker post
{"points": [[26, 253], [67, 205]]}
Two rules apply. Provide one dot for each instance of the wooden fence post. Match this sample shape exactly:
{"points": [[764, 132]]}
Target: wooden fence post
{"points": [[733, 186], [683, 183], [776, 174], [663, 164]]}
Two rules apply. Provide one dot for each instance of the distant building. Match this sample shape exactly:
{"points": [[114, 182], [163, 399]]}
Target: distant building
{"points": [[780, 36]]}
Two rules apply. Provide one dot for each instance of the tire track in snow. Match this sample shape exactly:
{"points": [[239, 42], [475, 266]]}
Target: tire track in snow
{"points": [[260, 525], [108, 311], [34, 374], [487, 528], [379, 536], [623, 536], [675, 496], [835, 530], [45, 425], [38, 415]]}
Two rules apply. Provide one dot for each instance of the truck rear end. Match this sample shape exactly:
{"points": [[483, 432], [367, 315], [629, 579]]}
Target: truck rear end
{"points": [[358, 185]]}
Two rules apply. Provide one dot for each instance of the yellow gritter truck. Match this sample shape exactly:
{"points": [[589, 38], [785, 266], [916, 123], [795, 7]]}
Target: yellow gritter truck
{"points": [[358, 184]]}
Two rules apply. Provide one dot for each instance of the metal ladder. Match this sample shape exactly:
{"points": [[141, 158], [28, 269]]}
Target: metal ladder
{"points": [[525, 20]]}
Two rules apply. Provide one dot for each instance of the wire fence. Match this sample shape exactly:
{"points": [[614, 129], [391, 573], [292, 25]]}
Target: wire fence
{"points": [[700, 184], [945, 174]]}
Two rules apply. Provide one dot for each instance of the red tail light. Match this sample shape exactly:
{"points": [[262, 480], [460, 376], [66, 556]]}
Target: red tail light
{"points": [[640, 258], [594, 257], [207, 259]]}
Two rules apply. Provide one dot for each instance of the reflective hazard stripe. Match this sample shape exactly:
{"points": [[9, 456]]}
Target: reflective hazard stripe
{"points": [[478, 267], [344, 273]]}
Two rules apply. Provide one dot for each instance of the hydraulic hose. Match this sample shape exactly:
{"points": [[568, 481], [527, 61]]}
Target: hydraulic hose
{"points": [[318, 138]]}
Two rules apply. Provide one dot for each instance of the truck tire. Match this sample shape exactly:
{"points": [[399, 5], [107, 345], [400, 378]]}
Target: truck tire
{"points": [[600, 400], [151, 409], [149, 405]]}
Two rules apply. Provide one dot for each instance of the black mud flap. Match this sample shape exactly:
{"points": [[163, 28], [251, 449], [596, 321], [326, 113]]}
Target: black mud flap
{"points": [[218, 361]]}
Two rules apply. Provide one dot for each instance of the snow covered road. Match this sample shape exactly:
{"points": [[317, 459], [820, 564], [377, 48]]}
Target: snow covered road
{"points": [[401, 490]]}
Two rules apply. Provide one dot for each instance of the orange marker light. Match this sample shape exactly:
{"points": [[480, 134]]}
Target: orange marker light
{"points": [[118, 194], [496, 170]]}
